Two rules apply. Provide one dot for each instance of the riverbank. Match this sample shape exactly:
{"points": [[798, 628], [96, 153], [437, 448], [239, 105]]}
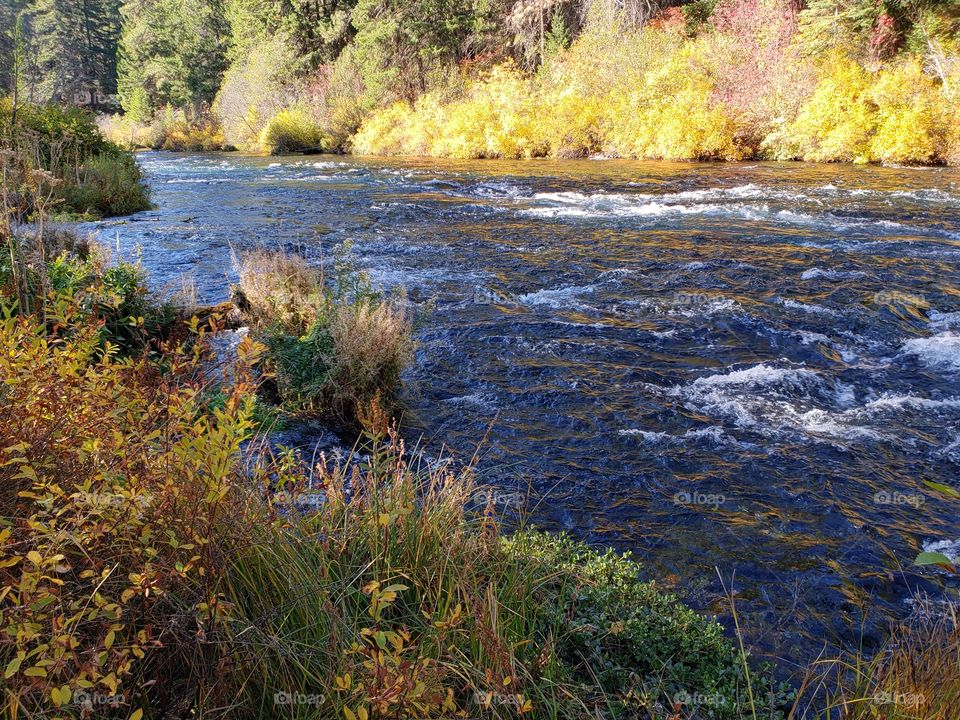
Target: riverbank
{"points": [[156, 561]]}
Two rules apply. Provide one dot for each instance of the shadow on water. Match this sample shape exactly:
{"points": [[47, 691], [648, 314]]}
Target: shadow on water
{"points": [[743, 368]]}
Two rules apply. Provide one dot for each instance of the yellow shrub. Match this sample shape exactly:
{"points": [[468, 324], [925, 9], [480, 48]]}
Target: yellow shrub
{"points": [[837, 122], [384, 131], [293, 130], [572, 123], [498, 118], [912, 116], [671, 115], [114, 484]]}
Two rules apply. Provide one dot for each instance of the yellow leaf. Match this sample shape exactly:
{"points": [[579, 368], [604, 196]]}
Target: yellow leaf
{"points": [[136, 714], [34, 557], [108, 640]]}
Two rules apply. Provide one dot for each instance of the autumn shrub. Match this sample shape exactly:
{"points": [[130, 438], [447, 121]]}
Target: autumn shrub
{"points": [[913, 116], [120, 496], [291, 131], [895, 114], [88, 174], [200, 134], [333, 349], [838, 121]]}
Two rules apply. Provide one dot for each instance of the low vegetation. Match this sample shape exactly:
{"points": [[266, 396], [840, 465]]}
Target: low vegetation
{"points": [[332, 348], [55, 161], [154, 564]]}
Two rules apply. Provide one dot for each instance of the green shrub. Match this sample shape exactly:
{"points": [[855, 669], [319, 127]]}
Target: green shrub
{"points": [[56, 138], [292, 131], [106, 185]]}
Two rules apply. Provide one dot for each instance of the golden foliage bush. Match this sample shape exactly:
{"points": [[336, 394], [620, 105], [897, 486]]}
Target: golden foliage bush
{"points": [[116, 486], [655, 94], [896, 114]]}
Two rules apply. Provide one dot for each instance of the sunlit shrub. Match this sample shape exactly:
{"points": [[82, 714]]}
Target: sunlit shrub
{"points": [[200, 134], [671, 115], [838, 121], [116, 498], [293, 130], [255, 89], [912, 116], [896, 114], [385, 131]]}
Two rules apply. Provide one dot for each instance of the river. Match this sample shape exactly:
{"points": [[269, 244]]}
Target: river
{"points": [[742, 373]]}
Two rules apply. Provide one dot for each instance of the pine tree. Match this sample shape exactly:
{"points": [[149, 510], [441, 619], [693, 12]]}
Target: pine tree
{"points": [[73, 46], [172, 53]]}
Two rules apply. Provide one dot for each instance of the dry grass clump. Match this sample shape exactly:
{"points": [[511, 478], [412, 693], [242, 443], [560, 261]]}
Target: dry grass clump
{"points": [[279, 289], [916, 676], [334, 349]]}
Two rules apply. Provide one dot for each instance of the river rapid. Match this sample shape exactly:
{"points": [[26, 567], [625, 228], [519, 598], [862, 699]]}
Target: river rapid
{"points": [[744, 374]]}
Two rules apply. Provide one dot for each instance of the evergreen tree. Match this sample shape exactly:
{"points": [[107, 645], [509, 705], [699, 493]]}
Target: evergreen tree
{"points": [[172, 52], [73, 49]]}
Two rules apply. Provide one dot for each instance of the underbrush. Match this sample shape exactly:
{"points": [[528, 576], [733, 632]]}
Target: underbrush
{"points": [[332, 350], [87, 175], [412, 605], [168, 130], [151, 567]]}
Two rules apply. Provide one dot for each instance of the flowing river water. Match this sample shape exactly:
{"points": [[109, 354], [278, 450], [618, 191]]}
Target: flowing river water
{"points": [[745, 374]]}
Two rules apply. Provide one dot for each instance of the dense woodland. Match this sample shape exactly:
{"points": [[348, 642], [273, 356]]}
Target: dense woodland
{"points": [[854, 80]]}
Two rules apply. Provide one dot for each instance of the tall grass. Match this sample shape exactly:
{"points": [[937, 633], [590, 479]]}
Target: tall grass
{"points": [[334, 348], [915, 676], [398, 597]]}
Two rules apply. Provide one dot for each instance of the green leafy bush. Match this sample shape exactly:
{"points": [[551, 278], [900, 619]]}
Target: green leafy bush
{"points": [[292, 131], [106, 185]]}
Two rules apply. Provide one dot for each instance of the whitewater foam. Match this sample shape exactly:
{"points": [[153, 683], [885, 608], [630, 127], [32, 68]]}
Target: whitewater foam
{"points": [[941, 351]]}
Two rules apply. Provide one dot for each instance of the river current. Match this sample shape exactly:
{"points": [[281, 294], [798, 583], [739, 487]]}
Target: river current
{"points": [[744, 374]]}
